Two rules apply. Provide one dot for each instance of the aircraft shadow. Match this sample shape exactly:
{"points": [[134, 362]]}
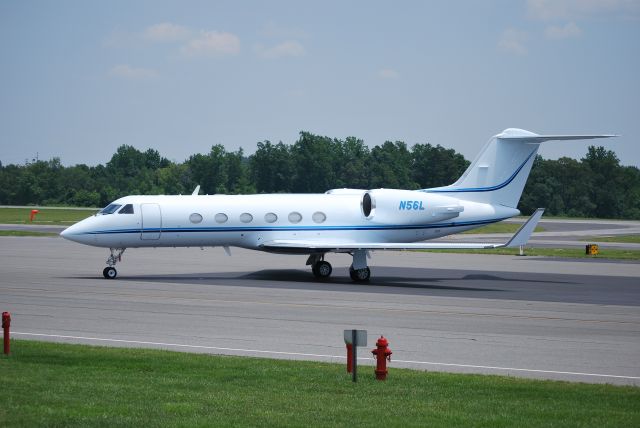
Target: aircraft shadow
{"points": [[294, 276], [418, 281], [529, 286]]}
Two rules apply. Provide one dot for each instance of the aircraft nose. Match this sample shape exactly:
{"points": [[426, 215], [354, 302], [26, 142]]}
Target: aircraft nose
{"points": [[72, 233], [66, 234]]}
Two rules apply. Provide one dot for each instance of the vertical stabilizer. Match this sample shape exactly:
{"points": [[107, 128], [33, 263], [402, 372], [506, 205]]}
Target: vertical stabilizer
{"points": [[499, 173]]}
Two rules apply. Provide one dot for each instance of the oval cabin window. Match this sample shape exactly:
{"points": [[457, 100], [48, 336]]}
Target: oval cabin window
{"points": [[246, 217], [270, 218], [221, 218], [295, 217], [319, 217], [195, 218]]}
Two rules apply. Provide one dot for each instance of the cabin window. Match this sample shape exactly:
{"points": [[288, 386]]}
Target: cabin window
{"points": [[110, 209], [295, 217], [221, 218], [127, 209], [270, 218], [195, 218], [319, 217], [246, 218]]}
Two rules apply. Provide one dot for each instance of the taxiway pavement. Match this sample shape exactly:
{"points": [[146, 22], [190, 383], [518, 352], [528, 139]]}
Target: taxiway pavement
{"points": [[520, 316]]}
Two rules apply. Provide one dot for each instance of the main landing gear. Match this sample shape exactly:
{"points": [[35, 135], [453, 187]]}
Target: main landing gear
{"points": [[358, 271], [359, 275], [321, 269], [110, 271]]}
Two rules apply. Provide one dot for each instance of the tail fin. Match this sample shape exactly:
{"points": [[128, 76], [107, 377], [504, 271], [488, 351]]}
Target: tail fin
{"points": [[499, 173]]}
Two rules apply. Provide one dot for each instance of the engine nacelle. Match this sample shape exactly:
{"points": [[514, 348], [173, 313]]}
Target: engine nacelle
{"points": [[393, 206]]}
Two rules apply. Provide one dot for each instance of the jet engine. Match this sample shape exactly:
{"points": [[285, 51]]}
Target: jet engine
{"points": [[393, 206]]}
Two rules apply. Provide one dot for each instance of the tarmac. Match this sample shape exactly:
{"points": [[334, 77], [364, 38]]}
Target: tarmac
{"points": [[531, 317]]}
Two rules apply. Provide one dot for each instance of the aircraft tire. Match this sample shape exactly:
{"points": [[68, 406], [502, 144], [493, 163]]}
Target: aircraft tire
{"points": [[360, 275], [109, 272], [322, 269]]}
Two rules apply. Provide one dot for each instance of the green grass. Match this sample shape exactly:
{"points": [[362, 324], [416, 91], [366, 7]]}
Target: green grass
{"points": [[625, 239], [500, 228], [25, 233], [46, 384], [45, 216], [578, 253]]}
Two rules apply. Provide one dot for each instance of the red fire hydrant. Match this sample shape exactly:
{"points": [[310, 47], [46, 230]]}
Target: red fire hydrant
{"points": [[382, 354], [33, 215], [6, 323]]}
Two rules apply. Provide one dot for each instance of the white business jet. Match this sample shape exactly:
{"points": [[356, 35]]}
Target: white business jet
{"points": [[353, 221]]}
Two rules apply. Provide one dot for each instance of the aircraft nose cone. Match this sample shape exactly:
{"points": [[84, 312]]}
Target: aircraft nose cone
{"points": [[72, 233], [66, 234]]}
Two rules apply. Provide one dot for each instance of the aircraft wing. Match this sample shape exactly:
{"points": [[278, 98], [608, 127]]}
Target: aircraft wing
{"points": [[519, 238]]}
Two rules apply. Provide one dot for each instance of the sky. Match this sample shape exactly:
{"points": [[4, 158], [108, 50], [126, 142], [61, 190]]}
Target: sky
{"points": [[80, 78]]}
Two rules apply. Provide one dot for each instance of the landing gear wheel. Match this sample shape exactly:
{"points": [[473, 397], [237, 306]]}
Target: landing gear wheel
{"points": [[322, 269], [359, 275], [109, 272]]}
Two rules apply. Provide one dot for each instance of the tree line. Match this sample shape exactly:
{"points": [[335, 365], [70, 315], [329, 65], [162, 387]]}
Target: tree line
{"points": [[595, 186]]}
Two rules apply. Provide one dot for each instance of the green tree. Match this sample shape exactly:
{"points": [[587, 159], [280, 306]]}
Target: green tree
{"points": [[314, 159], [219, 171], [353, 161], [271, 168], [174, 179], [391, 166], [436, 166], [608, 189]]}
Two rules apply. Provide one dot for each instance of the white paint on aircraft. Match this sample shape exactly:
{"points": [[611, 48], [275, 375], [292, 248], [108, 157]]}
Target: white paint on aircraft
{"points": [[350, 221]]}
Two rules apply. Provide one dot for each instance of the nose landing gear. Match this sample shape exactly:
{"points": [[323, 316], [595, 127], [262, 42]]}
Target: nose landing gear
{"points": [[110, 271]]}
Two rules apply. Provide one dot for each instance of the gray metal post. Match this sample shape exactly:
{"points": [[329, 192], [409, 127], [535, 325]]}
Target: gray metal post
{"points": [[354, 355]]}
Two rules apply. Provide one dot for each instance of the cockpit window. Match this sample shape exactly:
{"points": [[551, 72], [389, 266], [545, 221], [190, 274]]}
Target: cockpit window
{"points": [[127, 209], [110, 209]]}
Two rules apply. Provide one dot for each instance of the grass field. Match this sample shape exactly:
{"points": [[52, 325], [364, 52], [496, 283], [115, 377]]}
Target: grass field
{"points": [[45, 216], [25, 233], [627, 239], [578, 253], [47, 384], [500, 228]]}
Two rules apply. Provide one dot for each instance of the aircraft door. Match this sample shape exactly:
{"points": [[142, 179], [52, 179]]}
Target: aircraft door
{"points": [[151, 221]]}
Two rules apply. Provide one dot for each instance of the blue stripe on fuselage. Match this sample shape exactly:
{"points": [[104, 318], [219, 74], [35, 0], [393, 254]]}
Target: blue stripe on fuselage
{"points": [[293, 228]]}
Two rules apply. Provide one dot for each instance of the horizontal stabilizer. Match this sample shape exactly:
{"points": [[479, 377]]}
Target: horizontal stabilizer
{"points": [[535, 138], [305, 246]]}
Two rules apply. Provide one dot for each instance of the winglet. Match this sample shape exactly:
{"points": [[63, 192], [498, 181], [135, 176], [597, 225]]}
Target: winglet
{"points": [[524, 233], [196, 191]]}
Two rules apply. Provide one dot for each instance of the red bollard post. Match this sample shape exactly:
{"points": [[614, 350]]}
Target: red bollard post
{"points": [[32, 215], [6, 323], [349, 358], [382, 354]]}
